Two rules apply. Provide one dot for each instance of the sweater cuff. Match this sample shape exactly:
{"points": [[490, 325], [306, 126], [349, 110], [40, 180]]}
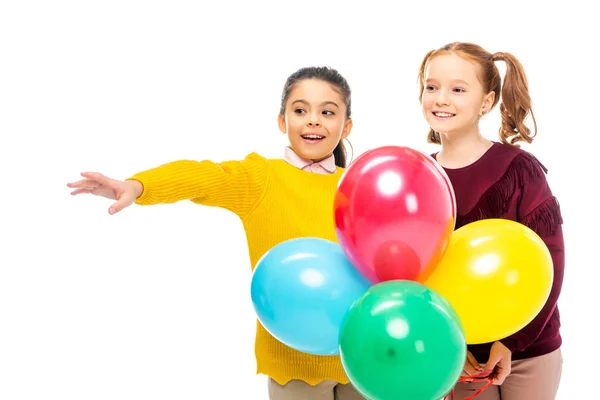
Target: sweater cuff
{"points": [[144, 198]]}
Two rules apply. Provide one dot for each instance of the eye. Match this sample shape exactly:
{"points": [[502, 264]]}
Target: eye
{"points": [[429, 88], [327, 112], [299, 111], [459, 90]]}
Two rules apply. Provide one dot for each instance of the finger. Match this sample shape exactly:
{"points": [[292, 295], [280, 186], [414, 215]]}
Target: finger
{"points": [[119, 205], [504, 367], [493, 361], [84, 183], [80, 191], [506, 364], [98, 177], [500, 375], [473, 361], [469, 370]]}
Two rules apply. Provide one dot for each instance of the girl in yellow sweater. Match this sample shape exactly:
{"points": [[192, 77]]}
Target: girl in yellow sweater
{"points": [[276, 200]]}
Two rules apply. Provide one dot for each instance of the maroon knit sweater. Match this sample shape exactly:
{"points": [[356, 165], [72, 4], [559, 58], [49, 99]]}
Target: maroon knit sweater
{"points": [[508, 182]]}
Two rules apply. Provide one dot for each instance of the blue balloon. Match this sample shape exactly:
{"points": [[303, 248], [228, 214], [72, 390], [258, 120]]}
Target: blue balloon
{"points": [[301, 290]]}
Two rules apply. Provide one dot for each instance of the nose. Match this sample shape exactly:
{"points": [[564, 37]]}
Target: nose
{"points": [[441, 99], [314, 120]]}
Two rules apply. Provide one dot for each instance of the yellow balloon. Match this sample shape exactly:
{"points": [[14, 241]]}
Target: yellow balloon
{"points": [[497, 274]]}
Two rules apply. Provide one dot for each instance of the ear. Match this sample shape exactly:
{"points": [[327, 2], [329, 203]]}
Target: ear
{"points": [[281, 123], [488, 102], [347, 128]]}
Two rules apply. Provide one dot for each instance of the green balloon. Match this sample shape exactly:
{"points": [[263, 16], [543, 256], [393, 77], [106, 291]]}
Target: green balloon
{"points": [[402, 340]]}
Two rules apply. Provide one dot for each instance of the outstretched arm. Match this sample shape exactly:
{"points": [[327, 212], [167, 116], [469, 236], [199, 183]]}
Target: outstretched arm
{"points": [[233, 185]]}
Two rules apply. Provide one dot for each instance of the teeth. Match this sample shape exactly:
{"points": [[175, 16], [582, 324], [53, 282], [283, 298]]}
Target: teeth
{"points": [[312, 136], [441, 114]]}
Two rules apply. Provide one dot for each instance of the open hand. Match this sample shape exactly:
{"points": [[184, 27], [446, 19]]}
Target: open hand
{"points": [[125, 192], [499, 362]]}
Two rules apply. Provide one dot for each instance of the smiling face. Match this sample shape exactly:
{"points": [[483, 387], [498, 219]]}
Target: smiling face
{"points": [[314, 119], [453, 98]]}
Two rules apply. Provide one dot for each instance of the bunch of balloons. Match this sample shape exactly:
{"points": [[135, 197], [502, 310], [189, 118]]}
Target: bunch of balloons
{"points": [[403, 293]]}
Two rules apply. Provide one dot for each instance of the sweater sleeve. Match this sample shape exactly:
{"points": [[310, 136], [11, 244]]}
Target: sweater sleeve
{"points": [[539, 210], [234, 185]]}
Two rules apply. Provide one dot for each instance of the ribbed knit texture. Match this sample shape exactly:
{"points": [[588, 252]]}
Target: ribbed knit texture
{"points": [[276, 202]]}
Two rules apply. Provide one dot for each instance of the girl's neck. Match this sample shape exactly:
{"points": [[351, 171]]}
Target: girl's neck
{"points": [[461, 150]]}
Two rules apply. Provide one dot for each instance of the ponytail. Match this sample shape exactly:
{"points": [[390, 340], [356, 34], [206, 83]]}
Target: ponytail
{"points": [[340, 155], [433, 137], [516, 103]]}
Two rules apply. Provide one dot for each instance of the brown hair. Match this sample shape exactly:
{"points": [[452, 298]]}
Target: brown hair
{"points": [[516, 103]]}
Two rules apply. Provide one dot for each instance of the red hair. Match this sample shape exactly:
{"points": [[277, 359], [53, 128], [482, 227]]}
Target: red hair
{"points": [[516, 103]]}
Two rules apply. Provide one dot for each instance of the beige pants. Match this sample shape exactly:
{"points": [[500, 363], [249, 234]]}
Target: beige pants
{"points": [[530, 379], [300, 390]]}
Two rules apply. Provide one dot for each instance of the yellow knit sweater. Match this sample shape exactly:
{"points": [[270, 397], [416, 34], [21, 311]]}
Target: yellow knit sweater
{"points": [[276, 201]]}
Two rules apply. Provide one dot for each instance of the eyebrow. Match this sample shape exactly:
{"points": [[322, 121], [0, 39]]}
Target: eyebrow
{"points": [[323, 103], [454, 81]]}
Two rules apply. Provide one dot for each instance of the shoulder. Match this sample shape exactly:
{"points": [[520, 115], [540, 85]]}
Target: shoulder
{"points": [[254, 161], [520, 163], [538, 207], [528, 167], [253, 167], [255, 157], [249, 158], [505, 177]]}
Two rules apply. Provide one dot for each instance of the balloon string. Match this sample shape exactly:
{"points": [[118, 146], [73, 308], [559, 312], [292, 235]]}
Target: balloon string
{"points": [[485, 376]]}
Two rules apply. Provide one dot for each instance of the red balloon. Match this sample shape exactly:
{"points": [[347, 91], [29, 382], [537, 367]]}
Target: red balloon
{"points": [[395, 211], [391, 254]]}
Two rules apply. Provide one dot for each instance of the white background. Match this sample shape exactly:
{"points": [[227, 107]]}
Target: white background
{"points": [[153, 303]]}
